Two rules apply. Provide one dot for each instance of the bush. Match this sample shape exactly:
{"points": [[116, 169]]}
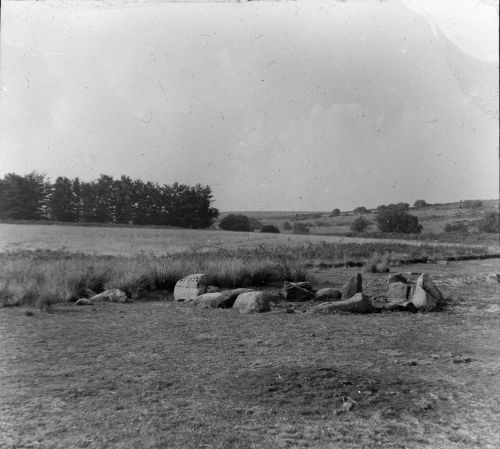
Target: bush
{"points": [[359, 224], [392, 219], [235, 222], [420, 203], [456, 226], [471, 204], [360, 210], [335, 213], [255, 224], [490, 223], [378, 263], [300, 228], [399, 206], [271, 229], [287, 226]]}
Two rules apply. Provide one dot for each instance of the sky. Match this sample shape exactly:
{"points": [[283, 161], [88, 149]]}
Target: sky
{"points": [[298, 105]]}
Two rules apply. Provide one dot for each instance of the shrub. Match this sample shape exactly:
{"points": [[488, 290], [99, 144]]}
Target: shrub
{"points": [[471, 204], [335, 213], [235, 222], [287, 226], [489, 223], [271, 229], [378, 263], [359, 224], [392, 219], [360, 210], [420, 203], [456, 226], [254, 223], [300, 228], [399, 206]]}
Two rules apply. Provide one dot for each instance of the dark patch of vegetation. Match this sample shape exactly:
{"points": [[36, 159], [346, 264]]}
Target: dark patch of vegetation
{"points": [[394, 218], [300, 228], [360, 224], [287, 226], [106, 200], [490, 223], [236, 222], [335, 213], [361, 210], [271, 229], [420, 203]]}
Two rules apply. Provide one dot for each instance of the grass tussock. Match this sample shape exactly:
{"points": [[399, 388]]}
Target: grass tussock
{"points": [[47, 277]]}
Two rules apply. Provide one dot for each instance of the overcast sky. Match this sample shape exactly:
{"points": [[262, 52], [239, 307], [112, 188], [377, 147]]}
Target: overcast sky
{"points": [[306, 105]]}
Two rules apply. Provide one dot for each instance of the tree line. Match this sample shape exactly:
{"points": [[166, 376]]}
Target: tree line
{"points": [[105, 200]]}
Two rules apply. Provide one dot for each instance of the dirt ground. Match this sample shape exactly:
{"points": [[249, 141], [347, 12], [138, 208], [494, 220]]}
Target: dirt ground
{"points": [[167, 375]]}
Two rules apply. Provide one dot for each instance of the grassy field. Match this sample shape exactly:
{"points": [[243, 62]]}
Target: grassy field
{"points": [[156, 374], [161, 374]]}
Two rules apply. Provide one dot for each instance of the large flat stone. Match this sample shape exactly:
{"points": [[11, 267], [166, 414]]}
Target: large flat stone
{"points": [[188, 288]]}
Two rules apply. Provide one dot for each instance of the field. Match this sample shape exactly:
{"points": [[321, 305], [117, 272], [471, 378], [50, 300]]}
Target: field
{"points": [[155, 374], [159, 374]]}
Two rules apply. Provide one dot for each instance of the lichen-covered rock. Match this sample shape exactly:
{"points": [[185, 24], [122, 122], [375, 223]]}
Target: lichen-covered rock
{"points": [[252, 302], [359, 303], [352, 286], [188, 288], [328, 294], [297, 291], [110, 295]]}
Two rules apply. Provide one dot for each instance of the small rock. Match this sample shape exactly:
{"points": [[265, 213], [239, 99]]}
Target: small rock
{"points": [[352, 286], [297, 291], [397, 306], [422, 300], [462, 359], [252, 302], [328, 294], [213, 289]]}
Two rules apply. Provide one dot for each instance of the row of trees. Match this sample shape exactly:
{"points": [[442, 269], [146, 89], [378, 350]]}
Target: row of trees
{"points": [[105, 200]]}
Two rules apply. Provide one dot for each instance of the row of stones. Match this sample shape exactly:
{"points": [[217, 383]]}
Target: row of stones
{"points": [[422, 295]]}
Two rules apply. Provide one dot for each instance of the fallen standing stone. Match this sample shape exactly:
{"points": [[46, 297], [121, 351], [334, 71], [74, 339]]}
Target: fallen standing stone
{"points": [[359, 303], [110, 295], [297, 291]]}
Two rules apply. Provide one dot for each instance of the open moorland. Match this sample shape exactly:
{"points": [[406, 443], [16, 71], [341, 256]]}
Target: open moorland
{"points": [[156, 373]]}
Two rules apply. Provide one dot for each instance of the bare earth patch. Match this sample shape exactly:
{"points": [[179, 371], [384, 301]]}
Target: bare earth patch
{"points": [[161, 374]]}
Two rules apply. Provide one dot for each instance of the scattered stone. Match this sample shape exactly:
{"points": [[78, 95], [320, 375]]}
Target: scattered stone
{"points": [[352, 286], [219, 300], [290, 311], [359, 303], [29, 312], [462, 359], [84, 302], [442, 262], [328, 294], [111, 295], [188, 288], [297, 291], [426, 294], [422, 300], [252, 302], [493, 278], [398, 291], [397, 277], [213, 289]]}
